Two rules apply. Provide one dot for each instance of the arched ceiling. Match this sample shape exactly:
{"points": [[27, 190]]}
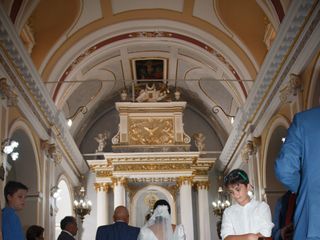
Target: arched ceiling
{"points": [[85, 50]]}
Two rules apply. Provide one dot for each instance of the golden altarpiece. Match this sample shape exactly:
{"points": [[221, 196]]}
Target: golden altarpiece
{"points": [[152, 148]]}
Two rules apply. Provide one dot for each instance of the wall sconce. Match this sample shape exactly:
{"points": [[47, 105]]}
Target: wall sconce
{"points": [[82, 207], [216, 109], [81, 109], [8, 146], [55, 192]]}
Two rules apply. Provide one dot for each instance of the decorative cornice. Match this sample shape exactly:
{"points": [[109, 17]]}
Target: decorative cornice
{"points": [[119, 181], [103, 173], [99, 187], [202, 185], [248, 150], [153, 167], [280, 60], [23, 74], [7, 92], [184, 181], [290, 91]]}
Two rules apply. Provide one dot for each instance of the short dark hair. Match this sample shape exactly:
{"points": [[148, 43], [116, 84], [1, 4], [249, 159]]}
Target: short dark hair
{"points": [[12, 187], [34, 231], [236, 176], [162, 202], [66, 221]]}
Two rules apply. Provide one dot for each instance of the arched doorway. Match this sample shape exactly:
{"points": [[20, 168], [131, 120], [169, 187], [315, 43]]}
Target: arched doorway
{"points": [[63, 204], [273, 188], [145, 198], [26, 170]]}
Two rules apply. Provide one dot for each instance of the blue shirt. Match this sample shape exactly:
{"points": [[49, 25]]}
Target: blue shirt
{"points": [[11, 225]]}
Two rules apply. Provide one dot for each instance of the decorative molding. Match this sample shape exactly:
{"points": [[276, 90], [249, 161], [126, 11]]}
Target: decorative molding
{"points": [[104, 173], [291, 89], [152, 179], [202, 185], [296, 30], [119, 181], [248, 150], [26, 79], [8, 93], [153, 167], [150, 131], [184, 181], [102, 187]]}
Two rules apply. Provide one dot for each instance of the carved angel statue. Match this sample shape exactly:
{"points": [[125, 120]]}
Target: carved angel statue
{"points": [[101, 139], [199, 139]]}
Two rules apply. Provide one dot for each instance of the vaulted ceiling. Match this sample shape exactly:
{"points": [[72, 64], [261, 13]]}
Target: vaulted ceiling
{"points": [[85, 50]]}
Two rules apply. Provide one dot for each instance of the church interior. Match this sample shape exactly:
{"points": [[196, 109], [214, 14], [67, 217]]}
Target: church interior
{"points": [[124, 102]]}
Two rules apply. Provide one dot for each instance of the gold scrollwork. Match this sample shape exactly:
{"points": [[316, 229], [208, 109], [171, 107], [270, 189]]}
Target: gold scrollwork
{"points": [[101, 187], [119, 181], [184, 181], [203, 185], [104, 173], [152, 167], [151, 131]]}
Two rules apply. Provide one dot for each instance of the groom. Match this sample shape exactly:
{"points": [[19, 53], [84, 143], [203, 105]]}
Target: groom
{"points": [[119, 230]]}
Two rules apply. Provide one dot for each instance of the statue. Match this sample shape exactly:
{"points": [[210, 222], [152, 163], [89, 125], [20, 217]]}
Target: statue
{"points": [[102, 141], [199, 139], [151, 94]]}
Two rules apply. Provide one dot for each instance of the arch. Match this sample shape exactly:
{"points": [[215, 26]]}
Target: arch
{"points": [[273, 189], [63, 204], [314, 86], [26, 169], [136, 216]]}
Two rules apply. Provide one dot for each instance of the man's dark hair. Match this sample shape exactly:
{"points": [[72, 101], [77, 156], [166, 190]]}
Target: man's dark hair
{"points": [[162, 202], [34, 231], [67, 220], [236, 176], [12, 187]]}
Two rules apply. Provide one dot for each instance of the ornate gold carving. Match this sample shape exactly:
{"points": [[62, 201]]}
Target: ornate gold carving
{"points": [[150, 199], [184, 181], [101, 187], [201, 172], [153, 180], [104, 173], [203, 185], [152, 167], [119, 181], [151, 131]]}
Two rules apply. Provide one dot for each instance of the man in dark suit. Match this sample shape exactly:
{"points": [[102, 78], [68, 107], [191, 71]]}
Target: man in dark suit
{"points": [[69, 228], [120, 230]]}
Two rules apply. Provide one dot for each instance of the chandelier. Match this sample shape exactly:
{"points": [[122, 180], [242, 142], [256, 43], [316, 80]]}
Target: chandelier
{"points": [[82, 206], [221, 203]]}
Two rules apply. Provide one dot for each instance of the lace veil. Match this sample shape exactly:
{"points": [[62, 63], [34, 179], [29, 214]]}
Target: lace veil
{"points": [[160, 222]]}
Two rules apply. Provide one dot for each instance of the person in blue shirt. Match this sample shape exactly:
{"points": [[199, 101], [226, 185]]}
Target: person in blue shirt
{"points": [[15, 194], [297, 167]]}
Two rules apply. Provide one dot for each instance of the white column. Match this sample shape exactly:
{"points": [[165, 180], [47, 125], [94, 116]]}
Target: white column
{"points": [[119, 192], [102, 203], [203, 211], [186, 206]]}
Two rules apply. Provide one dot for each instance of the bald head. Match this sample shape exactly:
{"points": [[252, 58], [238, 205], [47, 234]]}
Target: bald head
{"points": [[121, 214]]}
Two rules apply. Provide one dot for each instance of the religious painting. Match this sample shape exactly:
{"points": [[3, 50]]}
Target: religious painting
{"points": [[149, 69]]}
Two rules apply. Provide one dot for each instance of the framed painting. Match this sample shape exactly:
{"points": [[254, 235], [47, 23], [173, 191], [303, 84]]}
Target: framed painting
{"points": [[149, 69]]}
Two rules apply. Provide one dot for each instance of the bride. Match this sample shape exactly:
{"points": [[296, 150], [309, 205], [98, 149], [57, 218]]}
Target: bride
{"points": [[159, 226]]}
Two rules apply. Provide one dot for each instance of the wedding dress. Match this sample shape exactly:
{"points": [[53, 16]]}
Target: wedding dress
{"points": [[159, 227]]}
